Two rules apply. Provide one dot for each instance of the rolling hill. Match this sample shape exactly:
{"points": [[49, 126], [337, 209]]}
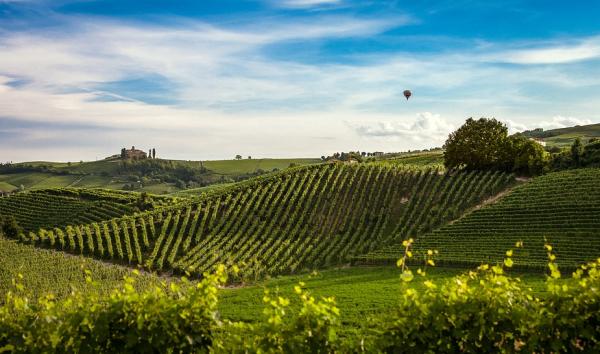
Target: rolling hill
{"points": [[561, 208], [111, 174], [564, 137], [302, 218]]}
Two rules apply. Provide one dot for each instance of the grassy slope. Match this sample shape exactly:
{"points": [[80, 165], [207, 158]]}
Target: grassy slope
{"points": [[561, 207], [234, 167], [434, 159], [566, 136], [46, 271], [102, 174], [7, 187]]}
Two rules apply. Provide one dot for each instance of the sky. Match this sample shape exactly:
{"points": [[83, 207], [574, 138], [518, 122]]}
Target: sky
{"points": [[198, 80]]}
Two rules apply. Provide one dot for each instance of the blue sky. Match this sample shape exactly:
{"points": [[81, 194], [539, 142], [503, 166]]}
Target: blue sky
{"points": [[211, 79]]}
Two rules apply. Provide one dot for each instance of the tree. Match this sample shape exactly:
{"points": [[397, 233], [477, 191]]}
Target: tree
{"points": [[238, 157], [123, 153], [484, 144], [591, 154], [249, 157], [153, 153], [9, 227], [576, 152], [528, 157], [477, 145]]}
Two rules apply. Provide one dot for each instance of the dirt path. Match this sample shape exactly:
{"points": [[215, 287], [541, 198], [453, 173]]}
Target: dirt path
{"points": [[492, 199]]}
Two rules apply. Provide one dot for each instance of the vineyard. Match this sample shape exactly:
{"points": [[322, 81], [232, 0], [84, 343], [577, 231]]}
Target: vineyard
{"points": [[43, 271], [48, 208], [433, 159], [560, 208], [301, 218]]}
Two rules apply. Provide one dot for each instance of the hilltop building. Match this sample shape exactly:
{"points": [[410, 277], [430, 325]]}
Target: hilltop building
{"points": [[133, 153]]}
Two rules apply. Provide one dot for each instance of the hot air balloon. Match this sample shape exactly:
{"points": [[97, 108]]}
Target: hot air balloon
{"points": [[407, 94]]}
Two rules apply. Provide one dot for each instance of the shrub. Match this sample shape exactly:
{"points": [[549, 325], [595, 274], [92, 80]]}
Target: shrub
{"points": [[175, 318]]}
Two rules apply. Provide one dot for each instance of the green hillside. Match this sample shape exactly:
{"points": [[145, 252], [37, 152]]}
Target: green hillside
{"points": [[302, 218], [168, 177], [564, 137], [47, 208], [235, 167], [560, 207], [430, 159]]}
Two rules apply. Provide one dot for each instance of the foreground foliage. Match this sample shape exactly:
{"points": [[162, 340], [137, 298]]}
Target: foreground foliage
{"points": [[484, 310]]}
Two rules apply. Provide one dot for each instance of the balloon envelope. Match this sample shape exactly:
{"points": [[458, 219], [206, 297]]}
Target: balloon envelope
{"points": [[407, 94]]}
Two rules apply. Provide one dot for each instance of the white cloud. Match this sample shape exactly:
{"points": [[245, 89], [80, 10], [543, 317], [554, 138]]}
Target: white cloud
{"points": [[555, 53], [563, 122], [427, 127], [514, 127]]}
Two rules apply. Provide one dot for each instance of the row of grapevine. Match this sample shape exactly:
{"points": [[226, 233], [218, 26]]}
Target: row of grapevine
{"points": [[56, 208], [559, 208], [299, 219]]}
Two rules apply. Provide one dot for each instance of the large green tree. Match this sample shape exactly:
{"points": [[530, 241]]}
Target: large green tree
{"points": [[484, 144], [477, 145]]}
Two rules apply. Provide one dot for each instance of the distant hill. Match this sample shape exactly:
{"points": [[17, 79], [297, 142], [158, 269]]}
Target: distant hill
{"points": [[563, 137], [158, 176]]}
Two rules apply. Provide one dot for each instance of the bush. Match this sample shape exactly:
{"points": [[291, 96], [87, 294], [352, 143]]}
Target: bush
{"points": [[175, 318], [312, 330], [480, 311], [487, 311], [9, 227]]}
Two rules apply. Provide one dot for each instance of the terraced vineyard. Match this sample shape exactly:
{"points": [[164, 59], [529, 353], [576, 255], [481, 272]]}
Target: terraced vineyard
{"points": [[58, 207], [561, 207], [302, 218]]}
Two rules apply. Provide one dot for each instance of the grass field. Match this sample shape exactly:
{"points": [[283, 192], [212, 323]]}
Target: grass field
{"points": [[363, 294], [7, 187], [564, 137]]}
